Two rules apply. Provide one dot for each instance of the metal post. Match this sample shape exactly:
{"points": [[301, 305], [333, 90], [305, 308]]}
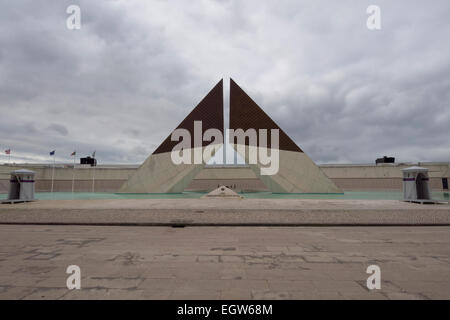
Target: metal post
{"points": [[53, 173], [93, 180], [73, 173]]}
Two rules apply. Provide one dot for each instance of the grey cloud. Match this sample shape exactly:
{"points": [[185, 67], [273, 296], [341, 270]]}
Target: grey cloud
{"points": [[136, 69], [62, 130]]}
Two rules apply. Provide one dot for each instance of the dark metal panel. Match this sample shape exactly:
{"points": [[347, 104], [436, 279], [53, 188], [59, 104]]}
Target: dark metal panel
{"points": [[246, 114], [209, 111]]}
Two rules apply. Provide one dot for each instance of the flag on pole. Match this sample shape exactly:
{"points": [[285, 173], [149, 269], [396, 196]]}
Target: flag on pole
{"points": [[93, 172], [52, 153], [8, 151], [73, 172]]}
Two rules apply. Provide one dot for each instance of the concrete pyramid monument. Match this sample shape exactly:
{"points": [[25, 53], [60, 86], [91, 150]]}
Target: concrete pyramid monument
{"points": [[297, 172], [158, 174]]}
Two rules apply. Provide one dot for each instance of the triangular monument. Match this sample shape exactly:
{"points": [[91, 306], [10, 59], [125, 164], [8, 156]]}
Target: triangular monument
{"points": [[297, 173], [158, 173]]}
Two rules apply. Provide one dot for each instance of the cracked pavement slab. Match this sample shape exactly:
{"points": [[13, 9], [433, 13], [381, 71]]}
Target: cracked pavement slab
{"points": [[124, 262]]}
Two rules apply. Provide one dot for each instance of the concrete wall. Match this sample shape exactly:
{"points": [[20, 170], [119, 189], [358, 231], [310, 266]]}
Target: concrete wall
{"points": [[294, 172], [346, 177], [111, 178], [382, 177], [159, 174], [107, 179]]}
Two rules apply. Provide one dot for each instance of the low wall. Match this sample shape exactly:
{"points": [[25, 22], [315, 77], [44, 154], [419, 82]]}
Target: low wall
{"points": [[382, 177], [367, 184], [105, 179], [111, 178]]}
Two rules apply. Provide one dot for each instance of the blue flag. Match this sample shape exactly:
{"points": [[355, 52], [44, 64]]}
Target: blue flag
{"points": [[52, 153]]}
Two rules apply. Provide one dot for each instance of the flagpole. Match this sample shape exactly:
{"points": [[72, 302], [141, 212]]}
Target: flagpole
{"points": [[93, 172], [93, 180], [73, 173], [53, 172]]}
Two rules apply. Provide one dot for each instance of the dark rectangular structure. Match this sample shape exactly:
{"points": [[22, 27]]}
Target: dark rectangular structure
{"points": [[444, 183], [89, 160], [385, 160]]}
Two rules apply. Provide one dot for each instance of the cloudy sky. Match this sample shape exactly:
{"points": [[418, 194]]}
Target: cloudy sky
{"points": [[135, 69]]}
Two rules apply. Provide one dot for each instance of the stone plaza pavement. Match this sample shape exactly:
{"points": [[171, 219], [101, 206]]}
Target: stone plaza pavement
{"points": [[225, 212], [138, 262]]}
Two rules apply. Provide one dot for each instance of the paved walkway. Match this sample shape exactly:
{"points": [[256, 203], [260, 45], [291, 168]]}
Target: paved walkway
{"points": [[226, 212], [224, 262]]}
